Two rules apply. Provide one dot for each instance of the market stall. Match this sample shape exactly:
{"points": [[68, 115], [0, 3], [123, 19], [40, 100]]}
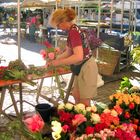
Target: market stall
{"points": [[10, 78]]}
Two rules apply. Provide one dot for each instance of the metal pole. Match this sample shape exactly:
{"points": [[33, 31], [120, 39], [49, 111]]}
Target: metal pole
{"points": [[135, 13], [99, 18], [18, 19], [111, 16], [122, 12], [130, 16], [56, 33]]}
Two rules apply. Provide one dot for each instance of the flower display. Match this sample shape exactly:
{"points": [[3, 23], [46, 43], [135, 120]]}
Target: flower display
{"points": [[78, 122], [117, 121], [128, 107]]}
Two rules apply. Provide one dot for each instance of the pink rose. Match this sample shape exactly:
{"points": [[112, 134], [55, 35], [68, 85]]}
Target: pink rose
{"points": [[57, 50], [34, 123], [43, 53], [51, 56], [78, 119], [65, 128], [118, 109]]}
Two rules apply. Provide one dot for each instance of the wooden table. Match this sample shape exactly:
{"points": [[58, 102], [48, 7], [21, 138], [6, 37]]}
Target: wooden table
{"points": [[7, 84]]}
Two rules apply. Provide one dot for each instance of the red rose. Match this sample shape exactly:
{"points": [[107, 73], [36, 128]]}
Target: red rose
{"points": [[136, 121], [47, 44], [127, 115], [139, 128], [89, 130], [118, 133], [131, 105], [65, 117], [100, 126], [135, 126]]}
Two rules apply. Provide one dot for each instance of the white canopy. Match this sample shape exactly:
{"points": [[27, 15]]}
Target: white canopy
{"points": [[34, 3], [8, 4]]}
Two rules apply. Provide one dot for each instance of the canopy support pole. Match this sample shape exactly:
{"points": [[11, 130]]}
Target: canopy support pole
{"points": [[18, 19]]}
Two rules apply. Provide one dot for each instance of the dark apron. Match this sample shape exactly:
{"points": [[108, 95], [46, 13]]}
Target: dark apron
{"points": [[77, 68]]}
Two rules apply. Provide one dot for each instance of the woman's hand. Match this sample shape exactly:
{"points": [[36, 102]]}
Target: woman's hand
{"points": [[53, 63]]}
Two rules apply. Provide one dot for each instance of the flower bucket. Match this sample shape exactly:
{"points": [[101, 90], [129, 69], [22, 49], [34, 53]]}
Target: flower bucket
{"points": [[44, 110]]}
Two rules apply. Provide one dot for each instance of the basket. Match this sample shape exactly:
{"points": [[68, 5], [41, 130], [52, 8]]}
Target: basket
{"points": [[107, 61]]}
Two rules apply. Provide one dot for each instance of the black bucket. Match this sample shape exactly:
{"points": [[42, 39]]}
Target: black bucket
{"points": [[44, 110]]}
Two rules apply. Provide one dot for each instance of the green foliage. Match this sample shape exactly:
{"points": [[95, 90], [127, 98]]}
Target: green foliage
{"points": [[125, 84], [23, 25], [136, 55]]}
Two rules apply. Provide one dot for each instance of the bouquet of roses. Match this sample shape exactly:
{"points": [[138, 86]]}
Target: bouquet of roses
{"points": [[80, 122], [50, 52]]}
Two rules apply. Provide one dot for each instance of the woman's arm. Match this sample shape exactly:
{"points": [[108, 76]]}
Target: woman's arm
{"points": [[74, 58], [65, 54]]}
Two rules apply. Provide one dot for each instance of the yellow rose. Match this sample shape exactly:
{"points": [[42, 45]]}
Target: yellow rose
{"points": [[80, 108], [61, 106], [111, 97], [106, 110], [93, 108], [119, 102], [114, 113], [95, 118], [69, 106], [88, 108]]}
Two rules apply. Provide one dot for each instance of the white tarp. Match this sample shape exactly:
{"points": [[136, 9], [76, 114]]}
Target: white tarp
{"points": [[34, 3], [8, 4]]}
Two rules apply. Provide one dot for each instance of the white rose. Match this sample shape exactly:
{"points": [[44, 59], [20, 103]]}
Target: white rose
{"points": [[56, 136], [95, 118], [114, 113], [69, 106], [56, 126], [61, 106]]}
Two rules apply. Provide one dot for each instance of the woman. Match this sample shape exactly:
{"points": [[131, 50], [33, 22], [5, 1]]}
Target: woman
{"points": [[75, 55]]}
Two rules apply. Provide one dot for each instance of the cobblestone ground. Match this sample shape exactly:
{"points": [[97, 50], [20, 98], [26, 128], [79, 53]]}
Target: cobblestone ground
{"points": [[112, 84]]}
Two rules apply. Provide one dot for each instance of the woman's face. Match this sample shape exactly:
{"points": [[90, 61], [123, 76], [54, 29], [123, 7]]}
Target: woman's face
{"points": [[63, 25]]}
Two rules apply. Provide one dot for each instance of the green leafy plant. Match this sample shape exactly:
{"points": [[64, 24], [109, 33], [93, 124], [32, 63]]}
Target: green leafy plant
{"points": [[125, 84], [136, 55]]}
